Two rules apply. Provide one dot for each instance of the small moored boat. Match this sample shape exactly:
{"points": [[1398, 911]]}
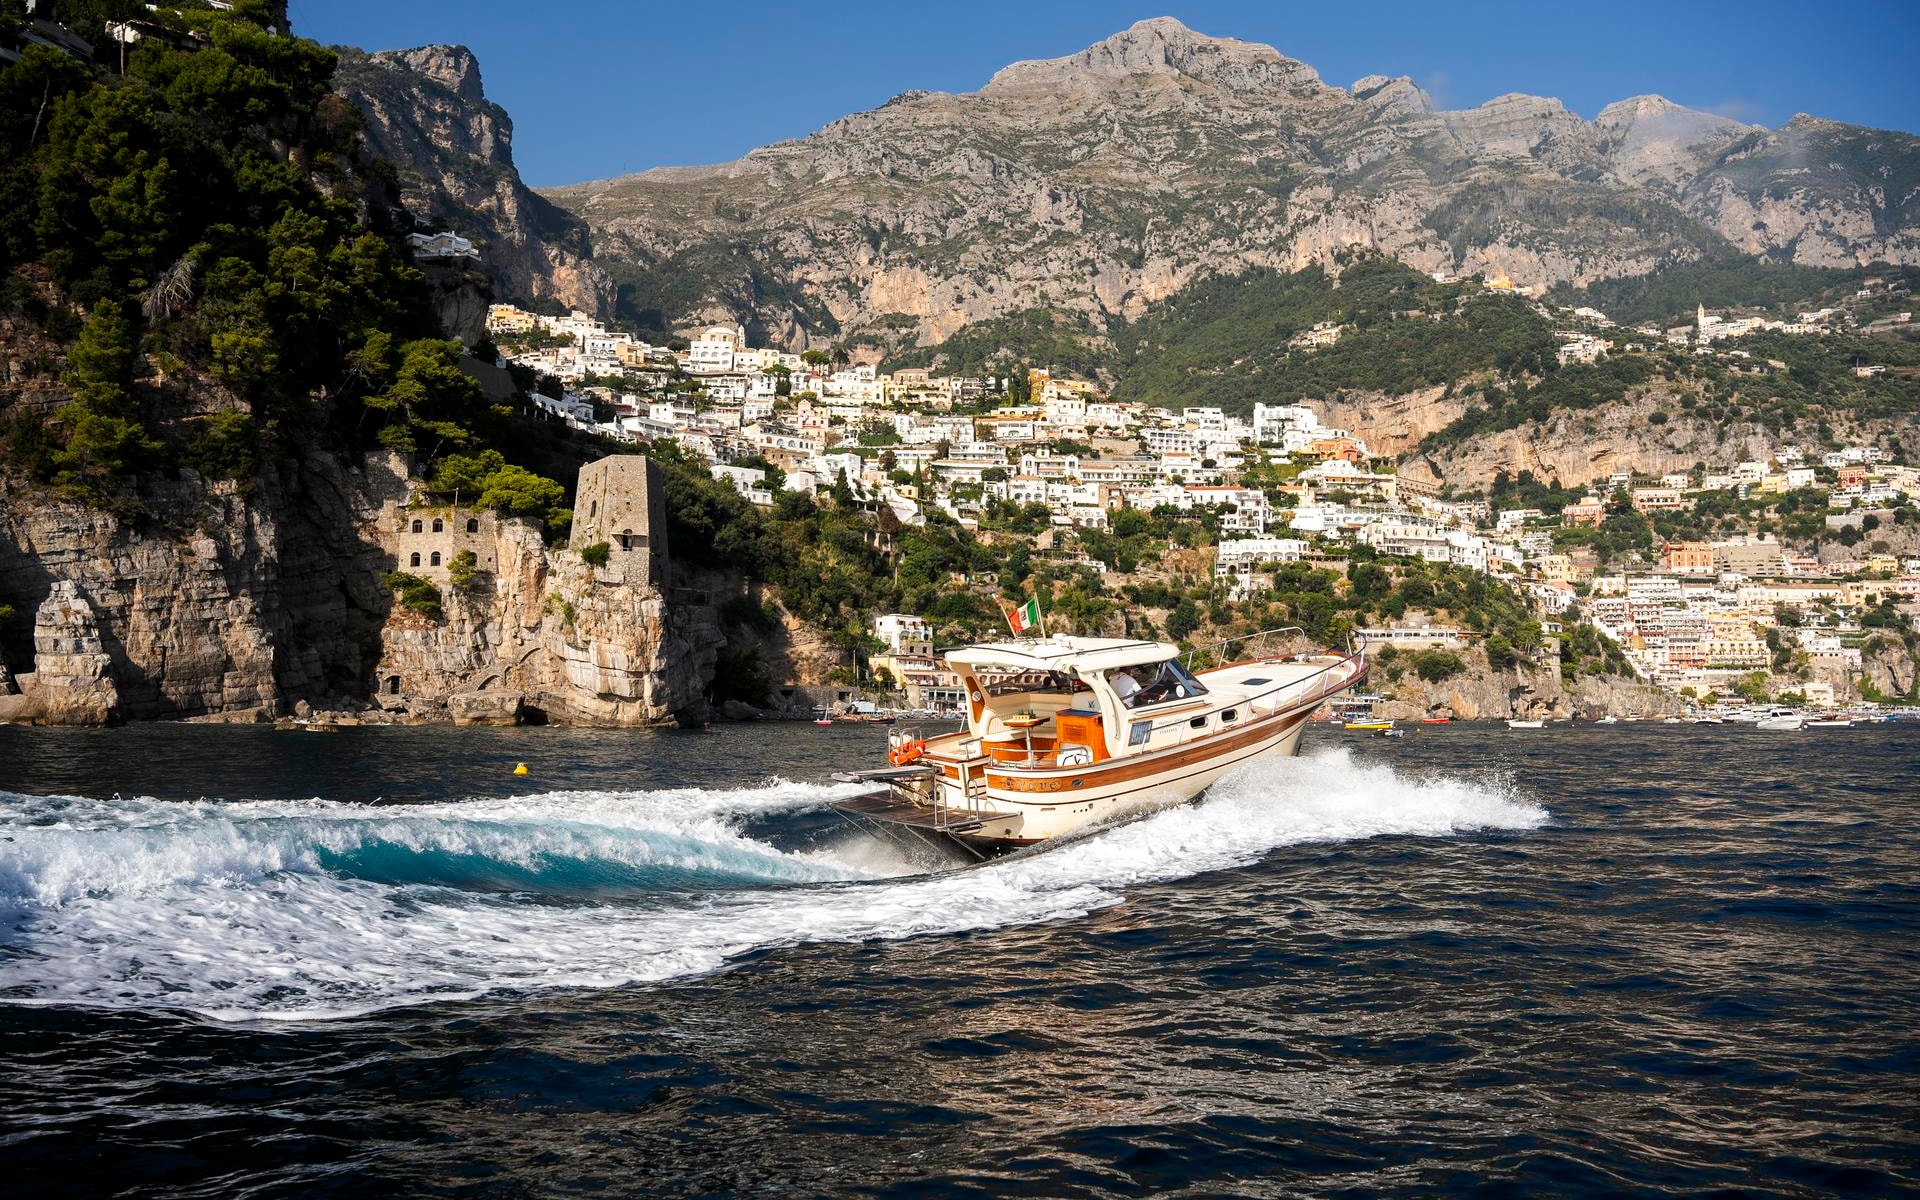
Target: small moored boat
{"points": [[1517, 723], [1065, 732]]}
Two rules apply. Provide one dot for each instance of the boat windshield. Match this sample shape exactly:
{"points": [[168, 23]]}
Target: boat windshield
{"points": [[1155, 683]]}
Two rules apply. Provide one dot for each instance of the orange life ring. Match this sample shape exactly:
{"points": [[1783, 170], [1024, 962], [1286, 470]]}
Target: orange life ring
{"points": [[906, 752]]}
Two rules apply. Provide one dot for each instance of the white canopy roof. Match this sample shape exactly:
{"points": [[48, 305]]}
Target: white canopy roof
{"points": [[1079, 655]]}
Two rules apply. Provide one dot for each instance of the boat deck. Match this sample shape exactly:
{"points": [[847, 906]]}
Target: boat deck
{"points": [[884, 806]]}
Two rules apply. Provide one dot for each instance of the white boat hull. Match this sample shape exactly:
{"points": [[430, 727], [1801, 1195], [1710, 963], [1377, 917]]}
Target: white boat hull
{"points": [[1037, 805], [1042, 765]]}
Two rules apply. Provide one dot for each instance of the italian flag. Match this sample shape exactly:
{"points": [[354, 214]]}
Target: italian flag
{"points": [[1026, 617]]}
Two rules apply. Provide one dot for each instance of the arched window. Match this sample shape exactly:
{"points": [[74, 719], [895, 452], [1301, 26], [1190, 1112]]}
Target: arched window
{"points": [[593, 510], [439, 526], [473, 524], [435, 560], [415, 561], [626, 539], [417, 526]]}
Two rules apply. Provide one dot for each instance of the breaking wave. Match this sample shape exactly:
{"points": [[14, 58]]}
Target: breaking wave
{"points": [[309, 910]]}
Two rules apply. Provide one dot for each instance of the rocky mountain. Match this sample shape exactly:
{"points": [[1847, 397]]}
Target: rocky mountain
{"points": [[428, 114], [1099, 183]]}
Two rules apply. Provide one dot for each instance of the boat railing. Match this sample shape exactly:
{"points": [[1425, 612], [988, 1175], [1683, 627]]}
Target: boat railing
{"points": [[1311, 688], [1215, 652]]}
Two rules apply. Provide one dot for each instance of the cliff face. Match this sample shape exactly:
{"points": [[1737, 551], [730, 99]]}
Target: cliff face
{"points": [[1576, 446], [1103, 181], [250, 605], [428, 114], [1528, 690], [543, 633], [218, 602]]}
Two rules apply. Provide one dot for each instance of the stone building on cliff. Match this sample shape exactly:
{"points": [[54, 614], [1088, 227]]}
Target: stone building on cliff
{"points": [[621, 500]]}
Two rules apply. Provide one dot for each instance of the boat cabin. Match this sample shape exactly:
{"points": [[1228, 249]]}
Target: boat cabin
{"points": [[1071, 701]]}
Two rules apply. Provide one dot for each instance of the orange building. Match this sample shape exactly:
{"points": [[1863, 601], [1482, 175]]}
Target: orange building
{"points": [[1590, 511], [1341, 448], [1686, 556]]}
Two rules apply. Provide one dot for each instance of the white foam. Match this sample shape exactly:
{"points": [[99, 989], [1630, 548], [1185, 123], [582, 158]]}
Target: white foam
{"points": [[191, 907]]}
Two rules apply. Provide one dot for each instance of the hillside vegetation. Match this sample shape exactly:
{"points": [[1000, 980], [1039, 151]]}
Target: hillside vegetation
{"points": [[201, 240], [1225, 340], [1672, 294]]}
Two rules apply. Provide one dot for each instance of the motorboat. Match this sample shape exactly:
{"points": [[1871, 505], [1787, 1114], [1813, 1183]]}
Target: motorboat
{"points": [[1780, 720], [1517, 723], [1830, 723], [1368, 726], [1609, 719], [1066, 732]]}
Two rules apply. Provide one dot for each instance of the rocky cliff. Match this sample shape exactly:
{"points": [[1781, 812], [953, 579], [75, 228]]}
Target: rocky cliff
{"points": [[1645, 431], [543, 634], [1529, 690], [1098, 183], [216, 600], [254, 603], [428, 114]]}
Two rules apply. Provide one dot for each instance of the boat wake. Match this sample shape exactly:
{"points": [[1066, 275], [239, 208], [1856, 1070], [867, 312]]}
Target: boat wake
{"points": [[311, 910]]}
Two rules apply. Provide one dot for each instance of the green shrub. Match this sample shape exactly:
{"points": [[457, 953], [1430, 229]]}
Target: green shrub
{"points": [[464, 570], [223, 449], [416, 594], [1437, 665], [597, 554]]}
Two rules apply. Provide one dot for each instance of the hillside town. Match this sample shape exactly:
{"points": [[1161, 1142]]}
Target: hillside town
{"points": [[1697, 618]]}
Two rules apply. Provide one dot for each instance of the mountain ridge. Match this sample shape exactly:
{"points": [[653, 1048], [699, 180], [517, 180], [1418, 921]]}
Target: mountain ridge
{"points": [[427, 112], [1103, 181]]}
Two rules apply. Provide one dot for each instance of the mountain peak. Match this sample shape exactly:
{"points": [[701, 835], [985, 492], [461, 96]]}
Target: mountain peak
{"points": [[1160, 46], [451, 66]]}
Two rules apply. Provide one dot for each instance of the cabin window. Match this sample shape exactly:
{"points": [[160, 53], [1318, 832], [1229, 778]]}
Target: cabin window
{"points": [[473, 524], [1168, 681], [1232, 714], [1139, 732], [439, 526], [1197, 723], [435, 560], [417, 526], [415, 560]]}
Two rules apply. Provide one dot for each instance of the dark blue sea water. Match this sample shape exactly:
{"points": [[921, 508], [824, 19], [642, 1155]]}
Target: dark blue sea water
{"points": [[1637, 960]]}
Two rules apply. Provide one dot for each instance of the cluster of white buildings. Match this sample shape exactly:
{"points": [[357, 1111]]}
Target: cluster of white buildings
{"points": [[767, 420], [1704, 630]]}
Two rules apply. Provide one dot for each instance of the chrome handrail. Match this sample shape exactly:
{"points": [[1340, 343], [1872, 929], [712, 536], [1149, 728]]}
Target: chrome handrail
{"points": [[1218, 648], [1322, 693]]}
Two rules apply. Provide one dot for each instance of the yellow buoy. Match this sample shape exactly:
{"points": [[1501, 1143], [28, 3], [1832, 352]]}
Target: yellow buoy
{"points": [[519, 768]]}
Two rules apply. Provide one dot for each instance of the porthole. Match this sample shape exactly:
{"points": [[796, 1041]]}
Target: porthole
{"points": [[1232, 714], [1198, 723]]}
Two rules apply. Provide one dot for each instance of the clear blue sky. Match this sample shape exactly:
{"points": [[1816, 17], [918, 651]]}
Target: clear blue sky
{"points": [[599, 88]]}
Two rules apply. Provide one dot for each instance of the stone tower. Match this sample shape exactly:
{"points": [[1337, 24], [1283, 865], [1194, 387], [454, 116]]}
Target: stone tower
{"points": [[621, 500]]}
